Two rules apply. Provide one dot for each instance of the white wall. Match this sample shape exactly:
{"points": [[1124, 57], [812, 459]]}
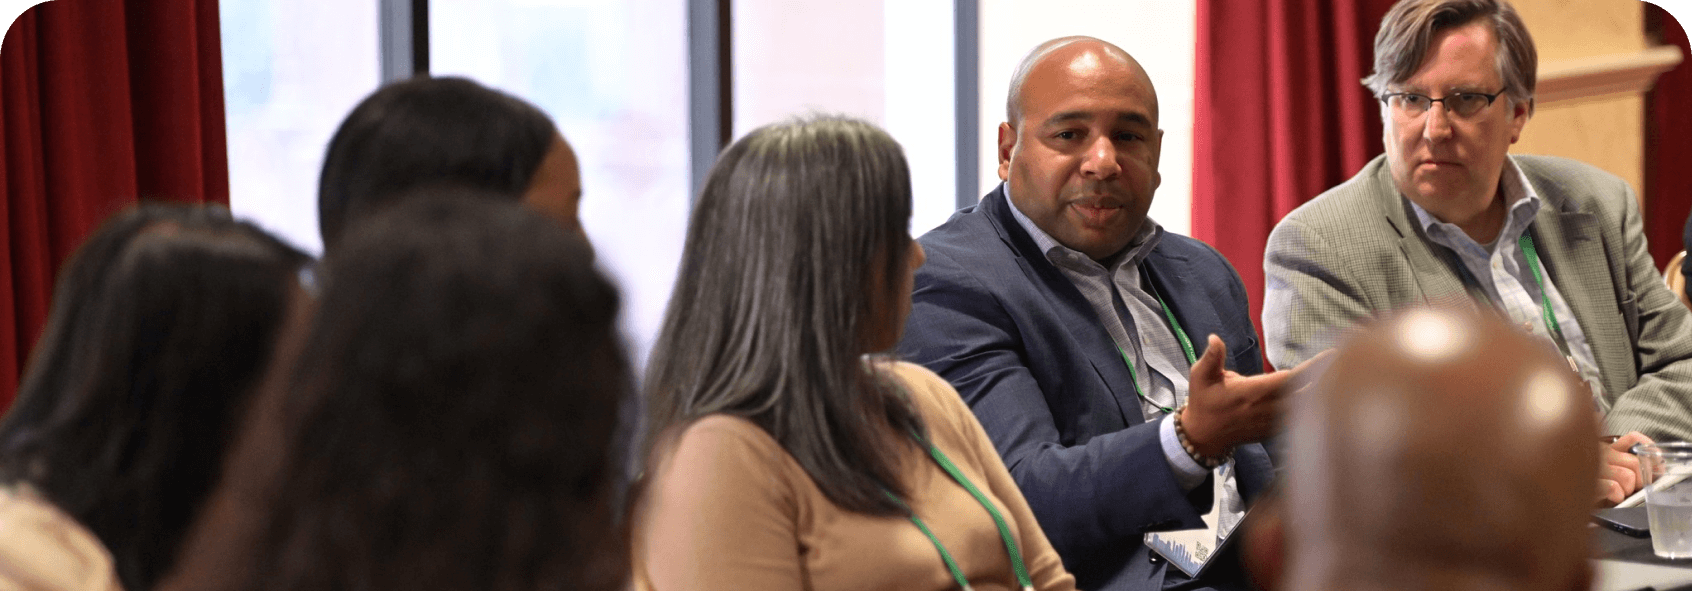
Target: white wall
{"points": [[284, 94]]}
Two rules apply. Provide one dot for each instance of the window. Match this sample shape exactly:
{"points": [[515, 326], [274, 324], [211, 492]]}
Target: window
{"points": [[284, 94], [613, 75], [886, 61]]}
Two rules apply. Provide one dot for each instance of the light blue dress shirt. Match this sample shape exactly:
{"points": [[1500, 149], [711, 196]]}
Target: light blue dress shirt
{"points": [[1501, 270]]}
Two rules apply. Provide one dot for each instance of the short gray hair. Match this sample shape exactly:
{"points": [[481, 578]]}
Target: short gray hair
{"points": [[1410, 26]]}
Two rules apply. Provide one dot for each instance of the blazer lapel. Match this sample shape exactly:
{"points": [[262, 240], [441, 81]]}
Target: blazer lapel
{"points": [[1569, 250], [1170, 274], [1073, 312], [1433, 269]]}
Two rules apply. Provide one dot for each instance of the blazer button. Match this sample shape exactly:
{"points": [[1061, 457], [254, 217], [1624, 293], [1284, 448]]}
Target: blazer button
{"points": [[1154, 558]]}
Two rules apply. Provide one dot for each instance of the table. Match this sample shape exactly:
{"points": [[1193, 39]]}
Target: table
{"points": [[1627, 564]]}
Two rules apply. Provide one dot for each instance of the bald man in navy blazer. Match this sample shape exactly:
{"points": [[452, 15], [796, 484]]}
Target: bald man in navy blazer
{"points": [[1071, 323]]}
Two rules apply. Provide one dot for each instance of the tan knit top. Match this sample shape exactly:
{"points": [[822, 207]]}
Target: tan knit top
{"points": [[730, 509], [43, 549]]}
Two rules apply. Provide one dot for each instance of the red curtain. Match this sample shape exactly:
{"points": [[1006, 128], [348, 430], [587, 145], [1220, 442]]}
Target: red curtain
{"points": [[1280, 116], [1668, 147], [102, 102]]}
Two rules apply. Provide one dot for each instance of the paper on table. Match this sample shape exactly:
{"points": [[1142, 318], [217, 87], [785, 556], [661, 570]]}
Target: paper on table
{"points": [[1666, 481]]}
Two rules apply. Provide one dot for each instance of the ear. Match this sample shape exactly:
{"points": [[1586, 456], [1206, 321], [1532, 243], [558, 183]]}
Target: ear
{"points": [[1007, 143], [1157, 154], [1519, 115]]}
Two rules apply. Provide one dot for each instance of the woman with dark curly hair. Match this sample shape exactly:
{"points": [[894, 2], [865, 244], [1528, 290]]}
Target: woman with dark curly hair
{"points": [[443, 422], [788, 451], [161, 325]]}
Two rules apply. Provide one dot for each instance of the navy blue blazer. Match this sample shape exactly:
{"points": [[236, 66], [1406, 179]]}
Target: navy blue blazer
{"points": [[1025, 350]]}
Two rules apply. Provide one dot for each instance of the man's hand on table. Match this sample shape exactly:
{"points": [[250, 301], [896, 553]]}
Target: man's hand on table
{"points": [[1619, 473]]}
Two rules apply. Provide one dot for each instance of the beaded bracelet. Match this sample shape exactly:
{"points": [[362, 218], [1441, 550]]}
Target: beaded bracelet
{"points": [[1209, 462]]}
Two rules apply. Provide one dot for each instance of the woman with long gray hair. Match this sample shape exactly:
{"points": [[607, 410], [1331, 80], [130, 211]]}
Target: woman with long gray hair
{"points": [[786, 450]]}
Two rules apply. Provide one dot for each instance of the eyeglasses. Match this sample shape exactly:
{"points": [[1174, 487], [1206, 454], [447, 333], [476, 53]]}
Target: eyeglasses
{"points": [[1461, 104]]}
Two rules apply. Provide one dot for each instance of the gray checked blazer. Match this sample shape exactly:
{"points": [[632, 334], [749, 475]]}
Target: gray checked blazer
{"points": [[1357, 250]]}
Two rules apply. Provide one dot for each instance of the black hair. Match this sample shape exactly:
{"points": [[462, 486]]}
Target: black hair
{"points": [[161, 324], [770, 312], [429, 131], [448, 421]]}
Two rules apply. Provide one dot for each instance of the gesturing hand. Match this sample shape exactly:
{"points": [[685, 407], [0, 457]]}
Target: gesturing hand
{"points": [[1224, 408]]}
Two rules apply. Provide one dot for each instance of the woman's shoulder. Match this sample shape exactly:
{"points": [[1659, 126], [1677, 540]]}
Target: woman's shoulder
{"points": [[42, 548], [925, 386], [914, 374], [725, 444], [720, 430], [931, 395], [717, 463]]}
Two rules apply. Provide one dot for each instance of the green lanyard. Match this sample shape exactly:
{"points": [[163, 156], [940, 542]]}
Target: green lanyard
{"points": [[1180, 335], [1017, 565], [1550, 318]]}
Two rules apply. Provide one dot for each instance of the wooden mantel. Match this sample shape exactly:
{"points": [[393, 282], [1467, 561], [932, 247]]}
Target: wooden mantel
{"points": [[1603, 75]]}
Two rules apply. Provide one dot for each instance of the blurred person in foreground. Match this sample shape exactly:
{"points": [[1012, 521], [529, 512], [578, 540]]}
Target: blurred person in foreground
{"points": [[1448, 216], [788, 450], [161, 325], [440, 423], [1441, 450]]}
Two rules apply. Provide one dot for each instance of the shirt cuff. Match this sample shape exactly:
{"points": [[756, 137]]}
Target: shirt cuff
{"points": [[1188, 473]]}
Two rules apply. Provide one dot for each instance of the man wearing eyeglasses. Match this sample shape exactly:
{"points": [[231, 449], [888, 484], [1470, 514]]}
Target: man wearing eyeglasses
{"points": [[1448, 216]]}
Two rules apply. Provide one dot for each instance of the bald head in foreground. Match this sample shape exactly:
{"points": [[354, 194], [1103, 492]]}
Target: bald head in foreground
{"points": [[1440, 450]]}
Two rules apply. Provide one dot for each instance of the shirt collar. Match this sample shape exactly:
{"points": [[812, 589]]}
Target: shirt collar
{"points": [[1518, 192], [1138, 248]]}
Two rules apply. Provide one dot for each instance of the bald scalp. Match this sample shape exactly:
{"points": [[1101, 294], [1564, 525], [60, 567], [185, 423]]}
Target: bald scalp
{"points": [[1013, 102], [1441, 449]]}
